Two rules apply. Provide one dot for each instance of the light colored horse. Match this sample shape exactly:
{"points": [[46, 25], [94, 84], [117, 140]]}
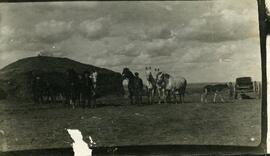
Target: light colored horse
{"points": [[150, 84], [160, 86], [168, 85], [125, 86], [215, 89], [94, 79]]}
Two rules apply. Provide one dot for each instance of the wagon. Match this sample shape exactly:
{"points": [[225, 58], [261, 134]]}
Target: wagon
{"points": [[245, 87]]}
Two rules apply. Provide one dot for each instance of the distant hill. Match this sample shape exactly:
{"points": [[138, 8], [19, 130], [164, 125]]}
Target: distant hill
{"points": [[14, 78]]}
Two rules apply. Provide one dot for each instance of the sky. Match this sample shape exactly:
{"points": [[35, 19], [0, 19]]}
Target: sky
{"points": [[203, 41]]}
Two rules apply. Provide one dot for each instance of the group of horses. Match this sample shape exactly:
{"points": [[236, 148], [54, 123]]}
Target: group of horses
{"points": [[160, 84], [166, 87], [81, 89], [77, 89]]}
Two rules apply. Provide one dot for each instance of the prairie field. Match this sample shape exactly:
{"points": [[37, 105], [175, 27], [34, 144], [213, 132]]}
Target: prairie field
{"points": [[25, 125]]}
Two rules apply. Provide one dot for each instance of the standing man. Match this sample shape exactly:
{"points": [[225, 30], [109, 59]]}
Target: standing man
{"points": [[80, 89], [231, 90], [138, 88], [88, 86]]}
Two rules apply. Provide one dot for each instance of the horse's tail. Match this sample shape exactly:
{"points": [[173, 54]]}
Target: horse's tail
{"points": [[184, 87]]}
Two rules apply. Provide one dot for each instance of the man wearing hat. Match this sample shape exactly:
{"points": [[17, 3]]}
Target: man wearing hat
{"points": [[138, 88]]}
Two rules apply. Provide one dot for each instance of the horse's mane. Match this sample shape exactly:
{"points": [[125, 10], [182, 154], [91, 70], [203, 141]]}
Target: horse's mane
{"points": [[166, 75], [159, 73], [150, 78], [129, 72]]}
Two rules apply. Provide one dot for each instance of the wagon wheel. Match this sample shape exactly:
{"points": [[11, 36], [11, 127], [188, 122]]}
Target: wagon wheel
{"points": [[257, 95], [238, 96], [235, 95]]}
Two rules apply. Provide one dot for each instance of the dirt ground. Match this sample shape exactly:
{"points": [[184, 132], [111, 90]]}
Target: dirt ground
{"points": [[24, 125]]}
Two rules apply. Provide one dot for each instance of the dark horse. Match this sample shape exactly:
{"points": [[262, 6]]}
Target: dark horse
{"points": [[132, 85], [71, 87], [216, 89], [150, 84], [38, 86]]}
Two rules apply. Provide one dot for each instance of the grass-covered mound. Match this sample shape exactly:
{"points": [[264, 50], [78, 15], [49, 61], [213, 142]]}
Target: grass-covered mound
{"points": [[15, 81]]}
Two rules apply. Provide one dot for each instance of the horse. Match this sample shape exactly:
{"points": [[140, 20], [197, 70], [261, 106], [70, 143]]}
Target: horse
{"points": [[94, 80], [54, 87], [125, 87], [80, 92], [167, 85], [132, 85], [87, 89], [38, 86], [49, 92], [71, 87], [215, 89], [150, 84]]}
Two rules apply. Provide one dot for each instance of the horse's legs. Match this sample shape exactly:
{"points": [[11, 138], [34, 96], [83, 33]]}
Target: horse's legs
{"points": [[41, 100], [131, 98], [83, 100], [159, 96], [221, 98], [79, 99], [182, 94], [73, 100], [165, 96], [175, 98], [151, 95], [168, 97], [94, 102], [204, 96], [150, 99], [71, 103], [140, 97], [215, 96], [136, 98], [182, 98]]}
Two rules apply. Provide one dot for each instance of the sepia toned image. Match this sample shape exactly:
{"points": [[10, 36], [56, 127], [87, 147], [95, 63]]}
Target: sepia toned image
{"points": [[130, 73]]}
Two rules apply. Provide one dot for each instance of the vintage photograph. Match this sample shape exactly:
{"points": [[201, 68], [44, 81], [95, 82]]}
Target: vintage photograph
{"points": [[130, 73]]}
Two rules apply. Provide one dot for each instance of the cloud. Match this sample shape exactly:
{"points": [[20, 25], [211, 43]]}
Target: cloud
{"points": [[112, 61], [53, 31], [6, 31], [161, 47], [6, 35], [128, 50], [197, 40], [142, 59], [158, 32], [96, 29], [225, 21]]}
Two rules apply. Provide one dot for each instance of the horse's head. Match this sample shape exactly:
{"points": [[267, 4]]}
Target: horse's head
{"points": [[126, 73], [148, 73], [229, 85], [159, 77], [86, 74], [80, 76], [70, 71], [156, 71], [93, 76]]}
